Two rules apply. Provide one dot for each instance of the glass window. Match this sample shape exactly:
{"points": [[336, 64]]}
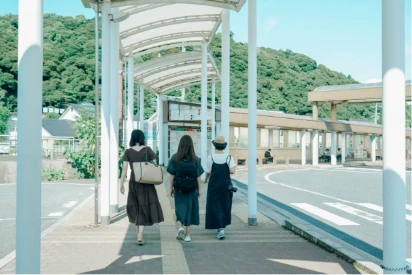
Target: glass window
{"points": [[264, 138]]}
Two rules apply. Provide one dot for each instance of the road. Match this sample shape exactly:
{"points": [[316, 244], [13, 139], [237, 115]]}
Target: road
{"points": [[346, 202], [58, 199]]}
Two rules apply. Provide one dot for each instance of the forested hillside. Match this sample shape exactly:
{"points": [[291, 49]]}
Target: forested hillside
{"points": [[284, 77]]}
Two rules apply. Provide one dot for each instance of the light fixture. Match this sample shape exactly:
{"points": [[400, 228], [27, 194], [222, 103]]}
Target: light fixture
{"points": [[118, 17]]}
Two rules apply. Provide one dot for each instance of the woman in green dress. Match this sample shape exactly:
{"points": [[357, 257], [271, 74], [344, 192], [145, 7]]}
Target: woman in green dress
{"points": [[185, 171]]}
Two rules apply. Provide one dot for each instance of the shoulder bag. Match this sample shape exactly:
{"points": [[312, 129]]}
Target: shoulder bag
{"points": [[148, 172]]}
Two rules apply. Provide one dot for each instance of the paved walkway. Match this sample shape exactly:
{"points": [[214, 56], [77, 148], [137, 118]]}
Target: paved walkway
{"points": [[78, 247]]}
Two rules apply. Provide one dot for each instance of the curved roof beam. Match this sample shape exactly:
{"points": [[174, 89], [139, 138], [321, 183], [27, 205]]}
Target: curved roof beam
{"points": [[167, 68], [161, 40], [166, 47], [235, 5], [138, 9], [183, 84], [168, 60], [170, 22], [170, 79]]}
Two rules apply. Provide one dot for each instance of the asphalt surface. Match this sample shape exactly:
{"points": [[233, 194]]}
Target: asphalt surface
{"points": [[58, 199], [346, 202]]}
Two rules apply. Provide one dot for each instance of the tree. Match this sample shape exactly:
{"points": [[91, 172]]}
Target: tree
{"points": [[4, 114], [84, 159]]}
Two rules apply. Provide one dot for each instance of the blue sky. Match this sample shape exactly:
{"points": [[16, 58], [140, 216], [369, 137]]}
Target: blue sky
{"points": [[344, 35]]}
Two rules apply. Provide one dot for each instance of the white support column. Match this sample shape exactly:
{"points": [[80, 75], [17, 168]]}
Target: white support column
{"points": [[29, 139], [105, 124], [160, 129], [225, 93], [315, 147], [393, 75], [252, 114], [343, 148], [271, 139], [203, 110], [213, 110], [125, 137], [333, 148], [130, 96], [303, 146], [114, 118], [141, 108], [373, 149], [218, 129]]}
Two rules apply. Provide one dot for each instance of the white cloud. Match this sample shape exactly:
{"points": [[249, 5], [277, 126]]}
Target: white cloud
{"points": [[270, 23], [373, 80]]}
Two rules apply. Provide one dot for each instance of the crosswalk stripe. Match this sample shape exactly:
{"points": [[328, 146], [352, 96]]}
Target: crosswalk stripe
{"points": [[372, 206], [409, 207], [380, 208], [324, 214], [359, 213]]}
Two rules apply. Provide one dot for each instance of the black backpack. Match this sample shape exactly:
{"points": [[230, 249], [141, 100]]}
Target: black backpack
{"points": [[186, 176]]}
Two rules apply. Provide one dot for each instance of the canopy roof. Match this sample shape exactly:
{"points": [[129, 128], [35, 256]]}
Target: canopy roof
{"points": [[235, 5], [151, 26], [354, 93], [168, 73]]}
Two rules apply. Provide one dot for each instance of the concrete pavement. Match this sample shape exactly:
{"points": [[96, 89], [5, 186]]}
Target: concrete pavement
{"points": [[78, 247], [58, 199]]}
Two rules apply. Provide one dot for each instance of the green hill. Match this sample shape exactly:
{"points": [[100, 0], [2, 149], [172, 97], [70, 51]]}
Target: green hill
{"points": [[284, 77]]}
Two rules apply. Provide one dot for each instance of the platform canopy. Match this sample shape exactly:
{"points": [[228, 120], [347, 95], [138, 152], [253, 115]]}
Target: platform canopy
{"points": [[168, 73], [154, 27], [353, 93]]}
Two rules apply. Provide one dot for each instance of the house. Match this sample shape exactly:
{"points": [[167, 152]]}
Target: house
{"points": [[73, 111], [57, 137]]}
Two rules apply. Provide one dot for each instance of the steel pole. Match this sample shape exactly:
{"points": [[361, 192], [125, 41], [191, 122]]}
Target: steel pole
{"points": [[29, 125], [252, 114], [394, 164]]}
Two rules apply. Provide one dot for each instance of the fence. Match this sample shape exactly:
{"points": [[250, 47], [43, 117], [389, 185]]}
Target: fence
{"points": [[52, 147]]}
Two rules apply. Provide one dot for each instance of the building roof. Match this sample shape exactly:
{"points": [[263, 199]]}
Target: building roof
{"points": [[353, 93], [59, 128], [86, 106]]}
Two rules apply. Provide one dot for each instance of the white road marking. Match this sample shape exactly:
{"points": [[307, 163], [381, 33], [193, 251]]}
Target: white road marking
{"points": [[409, 207], [362, 214], [70, 204], [13, 219], [324, 214], [372, 206], [301, 189], [56, 214], [380, 208]]}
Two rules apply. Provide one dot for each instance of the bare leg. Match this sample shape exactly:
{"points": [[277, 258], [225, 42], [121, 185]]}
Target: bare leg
{"points": [[188, 230], [179, 224], [140, 234]]}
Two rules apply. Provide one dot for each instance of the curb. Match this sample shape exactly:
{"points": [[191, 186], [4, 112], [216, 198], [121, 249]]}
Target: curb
{"points": [[313, 234], [12, 255]]}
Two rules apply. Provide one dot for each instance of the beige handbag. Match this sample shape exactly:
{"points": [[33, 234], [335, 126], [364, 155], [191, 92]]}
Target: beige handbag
{"points": [[148, 172]]}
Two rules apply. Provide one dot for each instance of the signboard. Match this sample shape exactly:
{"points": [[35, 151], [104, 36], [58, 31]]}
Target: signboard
{"points": [[183, 112], [177, 132]]}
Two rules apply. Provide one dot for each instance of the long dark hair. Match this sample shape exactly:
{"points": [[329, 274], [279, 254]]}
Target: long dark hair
{"points": [[186, 149], [137, 137]]}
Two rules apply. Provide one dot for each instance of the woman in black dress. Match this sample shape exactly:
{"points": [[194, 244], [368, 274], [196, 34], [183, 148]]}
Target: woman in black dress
{"points": [[143, 207], [219, 196], [185, 165]]}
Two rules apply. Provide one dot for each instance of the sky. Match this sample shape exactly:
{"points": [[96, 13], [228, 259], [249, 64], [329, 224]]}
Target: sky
{"points": [[344, 35]]}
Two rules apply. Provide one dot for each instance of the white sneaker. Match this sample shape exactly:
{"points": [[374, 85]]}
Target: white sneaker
{"points": [[187, 238], [180, 234], [221, 234]]}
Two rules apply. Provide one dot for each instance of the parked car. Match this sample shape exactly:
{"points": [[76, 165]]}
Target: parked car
{"points": [[4, 148]]}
